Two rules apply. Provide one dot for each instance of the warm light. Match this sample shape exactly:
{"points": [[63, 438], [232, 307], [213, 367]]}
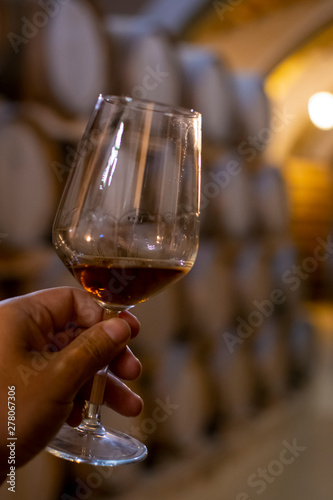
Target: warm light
{"points": [[321, 110]]}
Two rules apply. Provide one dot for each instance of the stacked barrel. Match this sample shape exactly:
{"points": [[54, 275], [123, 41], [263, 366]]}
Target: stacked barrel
{"points": [[233, 336], [53, 62]]}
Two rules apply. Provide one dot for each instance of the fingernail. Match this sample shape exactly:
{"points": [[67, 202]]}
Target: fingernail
{"points": [[118, 329]]}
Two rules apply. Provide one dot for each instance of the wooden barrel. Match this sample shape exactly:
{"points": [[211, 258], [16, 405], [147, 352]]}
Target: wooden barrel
{"points": [[159, 318], [271, 201], [145, 60], [181, 387], [303, 348], [232, 376], [58, 56], [59, 128], [207, 87], [271, 360], [253, 131], [208, 295], [28, 189], [227, 187], [284, 274], [253, 281]]}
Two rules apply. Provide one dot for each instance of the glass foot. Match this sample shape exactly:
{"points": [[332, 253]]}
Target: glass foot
{"points": [[107, 448]]}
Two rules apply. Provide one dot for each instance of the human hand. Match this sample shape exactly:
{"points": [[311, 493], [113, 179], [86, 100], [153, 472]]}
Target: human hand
{"points": [[51, 344]]}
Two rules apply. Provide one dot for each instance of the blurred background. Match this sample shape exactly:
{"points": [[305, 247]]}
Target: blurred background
{"points": [[237, 357]]}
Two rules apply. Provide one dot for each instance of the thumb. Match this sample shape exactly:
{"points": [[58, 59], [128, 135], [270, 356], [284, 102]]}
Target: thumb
{"points": [[92, 350]]}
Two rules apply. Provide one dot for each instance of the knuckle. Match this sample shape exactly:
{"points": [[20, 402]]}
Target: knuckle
{"points": [[96, 348]]}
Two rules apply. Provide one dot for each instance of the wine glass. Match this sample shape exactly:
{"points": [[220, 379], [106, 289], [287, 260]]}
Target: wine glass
{"points": [[127, 227]]}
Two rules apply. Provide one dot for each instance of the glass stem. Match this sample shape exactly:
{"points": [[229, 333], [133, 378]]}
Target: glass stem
{"points": [[92, 412]]}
